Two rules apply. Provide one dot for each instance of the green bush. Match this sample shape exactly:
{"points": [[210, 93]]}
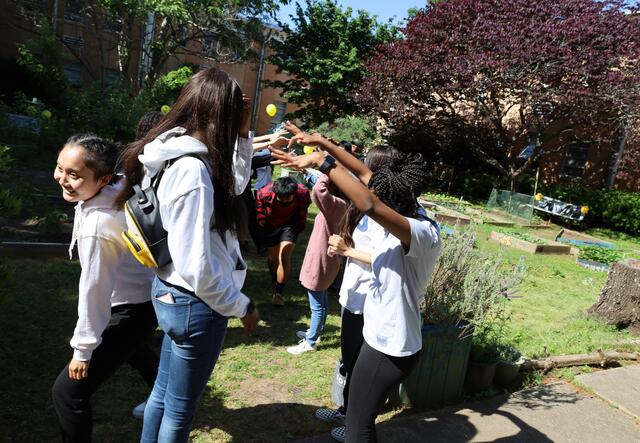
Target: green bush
{"points": [[618, 210], [600, 255], [350, 128], [166, 88], [10, 204]]}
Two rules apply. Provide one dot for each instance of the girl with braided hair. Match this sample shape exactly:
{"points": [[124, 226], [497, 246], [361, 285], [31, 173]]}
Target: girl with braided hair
{"points": [[402, 260]]}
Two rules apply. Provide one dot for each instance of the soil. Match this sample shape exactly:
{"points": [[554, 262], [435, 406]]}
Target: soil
{"points": [[263, 391]]}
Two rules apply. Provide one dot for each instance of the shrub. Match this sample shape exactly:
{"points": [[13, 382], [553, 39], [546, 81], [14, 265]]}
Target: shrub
{"points": [[350, 128], [10, 204], [469, 286], [600, 255]]}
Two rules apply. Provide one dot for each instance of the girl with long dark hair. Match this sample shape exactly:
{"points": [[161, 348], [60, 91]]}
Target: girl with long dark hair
{"points": [[204, 147]]}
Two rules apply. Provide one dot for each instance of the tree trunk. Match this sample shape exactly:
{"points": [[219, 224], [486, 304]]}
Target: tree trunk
{"points": [[619, 302]]}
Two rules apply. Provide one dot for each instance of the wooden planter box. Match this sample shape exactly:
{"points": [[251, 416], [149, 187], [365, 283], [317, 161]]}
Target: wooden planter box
{"points": [[548, 248]]}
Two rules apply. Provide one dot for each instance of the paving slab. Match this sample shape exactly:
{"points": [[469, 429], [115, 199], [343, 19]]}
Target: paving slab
{"points": [[550, 413], [620, 386]]}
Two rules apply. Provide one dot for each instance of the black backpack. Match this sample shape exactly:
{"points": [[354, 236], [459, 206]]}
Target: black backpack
{"points": [[146, 238]]}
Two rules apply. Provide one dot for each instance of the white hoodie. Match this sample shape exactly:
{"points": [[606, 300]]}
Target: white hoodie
{"points": [[201, 261], [110, 275]]}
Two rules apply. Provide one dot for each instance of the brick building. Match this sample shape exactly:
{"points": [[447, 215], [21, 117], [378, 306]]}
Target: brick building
{"points": [[89, 45]]}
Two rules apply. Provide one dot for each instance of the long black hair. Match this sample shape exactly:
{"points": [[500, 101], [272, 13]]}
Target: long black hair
{"points": [[210, 104]]}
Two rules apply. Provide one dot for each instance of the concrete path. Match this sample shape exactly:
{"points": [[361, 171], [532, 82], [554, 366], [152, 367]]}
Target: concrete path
{"points": [[619, 386], [556, 412]]}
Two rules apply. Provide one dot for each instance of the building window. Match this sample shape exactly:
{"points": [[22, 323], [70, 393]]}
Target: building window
{"points": [[74, 43], [74, 11], [112, 23], [575, 160], [73, 73]]}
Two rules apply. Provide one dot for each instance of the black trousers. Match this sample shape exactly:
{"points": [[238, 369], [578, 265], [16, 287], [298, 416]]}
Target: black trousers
{"points": [[350, 343], [374, 375], [127, 338]]}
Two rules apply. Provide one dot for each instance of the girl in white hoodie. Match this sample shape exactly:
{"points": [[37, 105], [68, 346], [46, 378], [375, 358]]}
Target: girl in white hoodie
{"points": [[116, 320], [204, 146]]}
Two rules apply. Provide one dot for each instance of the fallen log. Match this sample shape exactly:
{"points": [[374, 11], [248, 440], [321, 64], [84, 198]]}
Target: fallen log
{"points": [[600, 358]]}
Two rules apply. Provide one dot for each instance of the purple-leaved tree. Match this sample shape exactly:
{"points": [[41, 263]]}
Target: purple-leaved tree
{"points": [[503, 73]]}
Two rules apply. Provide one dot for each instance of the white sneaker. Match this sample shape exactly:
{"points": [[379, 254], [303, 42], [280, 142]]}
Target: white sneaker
{"points": [[301, 347], [138, 411], [303, 334]]}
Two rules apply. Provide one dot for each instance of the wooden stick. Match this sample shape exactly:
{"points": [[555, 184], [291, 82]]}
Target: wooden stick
{"points": [[600, 357]]}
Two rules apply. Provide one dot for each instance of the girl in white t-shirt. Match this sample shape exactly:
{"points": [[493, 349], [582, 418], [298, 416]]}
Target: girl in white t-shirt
{"points": [[402, 260]]}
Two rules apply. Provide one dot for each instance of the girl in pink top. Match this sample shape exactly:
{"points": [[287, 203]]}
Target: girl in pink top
{"points": [[319, 269]]}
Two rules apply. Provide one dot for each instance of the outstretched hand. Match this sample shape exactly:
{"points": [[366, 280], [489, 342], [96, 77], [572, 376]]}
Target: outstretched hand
{"points": [[293, 129], [305, 138], [299, 162], [279, 142]]}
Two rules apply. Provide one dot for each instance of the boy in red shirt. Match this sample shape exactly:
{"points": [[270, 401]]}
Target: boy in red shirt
{"points": [[281, 211]]}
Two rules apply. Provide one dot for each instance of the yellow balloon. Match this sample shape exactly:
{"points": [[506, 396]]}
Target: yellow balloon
{"points": [[308, 149], [538, 197], [584, 210], [271, 110]]}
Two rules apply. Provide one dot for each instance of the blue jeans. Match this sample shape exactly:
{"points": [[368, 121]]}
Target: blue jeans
{"points": [[318, 303], [194, 334]]}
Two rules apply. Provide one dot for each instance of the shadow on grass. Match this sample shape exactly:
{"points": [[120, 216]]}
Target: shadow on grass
{"points": [[268, 422]]}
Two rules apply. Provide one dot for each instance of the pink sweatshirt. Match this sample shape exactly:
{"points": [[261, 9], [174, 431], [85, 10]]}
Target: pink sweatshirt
{"points": [[318, 269]]}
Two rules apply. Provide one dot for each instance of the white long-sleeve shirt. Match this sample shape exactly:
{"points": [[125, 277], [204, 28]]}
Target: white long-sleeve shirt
{"points": [[110, 275], [201, 261]]}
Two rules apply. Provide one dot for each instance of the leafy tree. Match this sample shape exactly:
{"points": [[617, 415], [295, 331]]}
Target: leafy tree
{"points": [[222, 30], [350, 128], [499, 74], [324, 51]]}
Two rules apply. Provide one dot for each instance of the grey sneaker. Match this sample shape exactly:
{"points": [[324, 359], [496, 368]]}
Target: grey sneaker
{"points": [[339, 433], [138, 411], [330, 415]]}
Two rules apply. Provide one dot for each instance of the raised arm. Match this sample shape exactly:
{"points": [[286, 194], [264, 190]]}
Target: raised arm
{"points": [[358, 168], [354, 190]]}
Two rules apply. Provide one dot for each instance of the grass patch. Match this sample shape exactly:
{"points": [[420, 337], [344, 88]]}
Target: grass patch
{"points": [[258, 392]]}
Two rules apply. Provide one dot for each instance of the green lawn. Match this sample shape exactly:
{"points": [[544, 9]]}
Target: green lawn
{"points": [[258, 391]]}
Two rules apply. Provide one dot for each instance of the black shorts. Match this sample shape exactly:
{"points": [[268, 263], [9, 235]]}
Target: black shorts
{"points": [[273, 237]]}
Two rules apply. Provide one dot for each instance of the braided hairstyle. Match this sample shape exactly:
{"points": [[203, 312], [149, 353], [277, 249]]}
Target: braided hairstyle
{"points": [[399, 182], [377, 158]]}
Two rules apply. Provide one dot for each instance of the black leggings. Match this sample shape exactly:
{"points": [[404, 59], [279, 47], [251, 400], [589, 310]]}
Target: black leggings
{"points": [[374, 374], [350, 343], [127, 338]]}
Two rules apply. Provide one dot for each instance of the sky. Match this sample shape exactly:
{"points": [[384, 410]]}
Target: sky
{"points": [[384, 9]]}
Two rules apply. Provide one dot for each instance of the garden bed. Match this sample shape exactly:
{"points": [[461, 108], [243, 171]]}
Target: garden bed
{"points": [[580, 239], [532, 245]]}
